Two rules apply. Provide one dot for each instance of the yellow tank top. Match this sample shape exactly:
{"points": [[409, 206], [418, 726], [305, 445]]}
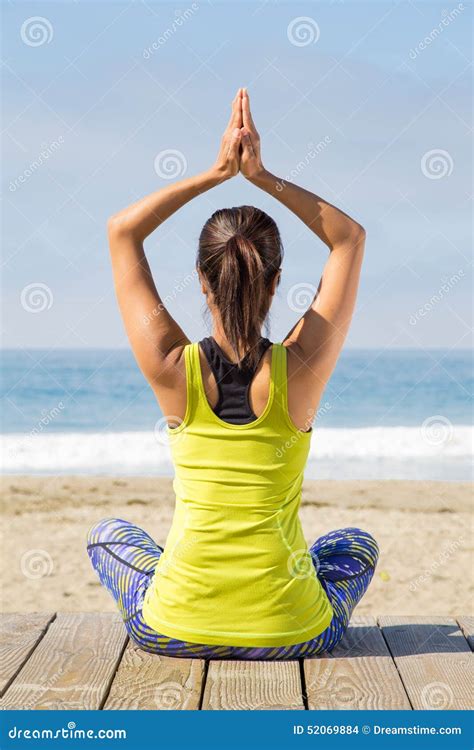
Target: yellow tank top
{"points": [[236, 568]]}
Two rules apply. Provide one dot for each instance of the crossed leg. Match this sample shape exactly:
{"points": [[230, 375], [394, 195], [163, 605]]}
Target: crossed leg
{"points": [[125, 557]]}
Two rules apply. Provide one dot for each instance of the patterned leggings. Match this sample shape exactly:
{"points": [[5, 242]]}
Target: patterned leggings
{"points": [[125, 557]]}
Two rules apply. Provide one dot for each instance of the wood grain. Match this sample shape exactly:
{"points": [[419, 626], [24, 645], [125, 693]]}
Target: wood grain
{"points": [[147, 681], [77, 661], [466, 623], [358, 674], [434, 660], [72, 666], [261, 685], [19, 634]]}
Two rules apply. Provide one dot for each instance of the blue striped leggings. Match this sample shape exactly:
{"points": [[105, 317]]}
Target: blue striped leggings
{"points": [[125, 557]]}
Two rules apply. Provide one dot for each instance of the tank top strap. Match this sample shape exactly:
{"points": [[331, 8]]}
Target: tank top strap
{"points": [[197, 404], [279, 377], [196, 396], [193, 388]]}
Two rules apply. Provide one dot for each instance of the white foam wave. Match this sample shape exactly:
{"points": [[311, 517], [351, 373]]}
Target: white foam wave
{"points": [[449, 441], [388, 449]]}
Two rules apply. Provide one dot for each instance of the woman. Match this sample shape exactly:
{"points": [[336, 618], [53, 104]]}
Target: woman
{"points": [[236, 579]]}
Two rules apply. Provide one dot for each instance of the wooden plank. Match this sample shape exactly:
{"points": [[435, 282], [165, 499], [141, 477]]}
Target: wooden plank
{"points": [[72, 666], [466, 623], [358, 674], [434, 660], [19, 634], [262, 685], [145, 681]]}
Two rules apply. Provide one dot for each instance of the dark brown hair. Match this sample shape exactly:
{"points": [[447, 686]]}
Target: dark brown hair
{"points": [[240, 251]]}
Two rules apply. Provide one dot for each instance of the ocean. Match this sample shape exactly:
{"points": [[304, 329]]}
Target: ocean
{"points": [[385, 415]]}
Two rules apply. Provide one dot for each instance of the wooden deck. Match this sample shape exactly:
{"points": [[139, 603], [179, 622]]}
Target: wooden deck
{"points": [[85, 661]]}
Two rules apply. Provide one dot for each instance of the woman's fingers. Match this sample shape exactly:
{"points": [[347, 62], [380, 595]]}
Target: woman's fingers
{"points": [[247, 143], [246, 114], [236, 114], [234, 144]]}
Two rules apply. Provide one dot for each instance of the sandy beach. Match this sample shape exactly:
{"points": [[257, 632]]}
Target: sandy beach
{"points": [[423, 529]]}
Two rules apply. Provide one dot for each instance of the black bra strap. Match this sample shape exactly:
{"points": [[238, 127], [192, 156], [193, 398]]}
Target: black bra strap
{"points": [[233, 382]]}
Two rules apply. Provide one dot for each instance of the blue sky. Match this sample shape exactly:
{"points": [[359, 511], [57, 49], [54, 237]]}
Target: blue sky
{"points": [[115, 84]]}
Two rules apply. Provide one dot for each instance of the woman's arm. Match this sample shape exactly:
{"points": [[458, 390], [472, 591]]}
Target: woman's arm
{"points": [[317, 338], [156, 339]]}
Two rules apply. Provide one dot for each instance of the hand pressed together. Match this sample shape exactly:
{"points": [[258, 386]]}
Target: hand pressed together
{"points": [[240, 144]]}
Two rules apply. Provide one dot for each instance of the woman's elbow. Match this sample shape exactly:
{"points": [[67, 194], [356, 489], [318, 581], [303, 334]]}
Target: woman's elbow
{"points": [[118, 226], [358, 234], [354, 239]]}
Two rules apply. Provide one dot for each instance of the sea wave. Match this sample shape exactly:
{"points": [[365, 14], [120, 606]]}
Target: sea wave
{"points": [[368, 452]]}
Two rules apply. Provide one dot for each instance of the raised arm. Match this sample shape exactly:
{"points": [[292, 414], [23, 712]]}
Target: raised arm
{"points": [[156, 339], [317, 338]]}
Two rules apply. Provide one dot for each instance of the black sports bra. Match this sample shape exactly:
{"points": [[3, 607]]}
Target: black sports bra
{"points": [[233, 383]]}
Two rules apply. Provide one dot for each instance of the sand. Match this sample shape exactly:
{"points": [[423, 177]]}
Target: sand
{"points": [[423, 529]]}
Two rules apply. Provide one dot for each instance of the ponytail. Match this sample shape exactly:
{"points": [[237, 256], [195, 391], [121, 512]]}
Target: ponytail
{"points": [[239, 253], [241, 295]]}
